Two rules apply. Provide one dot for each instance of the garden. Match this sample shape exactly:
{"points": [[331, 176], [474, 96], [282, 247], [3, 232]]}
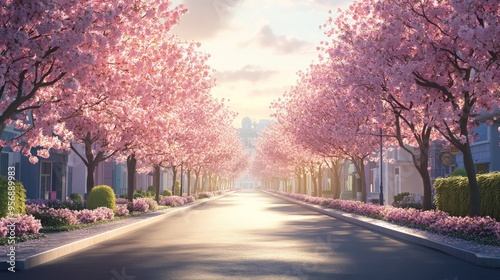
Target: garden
{"points": [[483, 230], [38, 216]]}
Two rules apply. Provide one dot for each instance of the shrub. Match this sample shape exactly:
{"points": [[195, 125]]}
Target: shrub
{"points": [[452, 195], [15, 190], [138, 195], [205, 195], [76, 197], [190, 198], [101, 196], [153, 205], [122, 210], [24, 225], [73, 204], [458, 172], [51, 217], [121, 200], [91, 216], [174, 200], [140, 205], [406, 200], [177, 188], [167, 192], [436, 221]]}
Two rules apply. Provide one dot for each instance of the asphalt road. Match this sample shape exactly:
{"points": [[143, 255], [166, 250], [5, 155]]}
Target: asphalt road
{"points": [[251, 235]]}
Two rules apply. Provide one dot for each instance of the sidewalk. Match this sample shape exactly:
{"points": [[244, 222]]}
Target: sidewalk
{"points": [[58, 244], [482, 255]]}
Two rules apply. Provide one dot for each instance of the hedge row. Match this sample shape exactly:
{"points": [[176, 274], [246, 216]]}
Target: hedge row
{"points": [[452, 195], [15, 195]]}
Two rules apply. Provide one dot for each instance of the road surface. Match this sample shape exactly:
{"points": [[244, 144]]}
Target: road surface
{"points": [[252, 235]]}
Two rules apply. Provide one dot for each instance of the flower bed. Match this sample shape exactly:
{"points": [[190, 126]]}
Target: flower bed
{"points": [[435, 221], [24, 225], [51, 217]]}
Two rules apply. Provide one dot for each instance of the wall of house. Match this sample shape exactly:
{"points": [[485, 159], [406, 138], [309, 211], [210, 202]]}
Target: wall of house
{"points": [[486, 149]]}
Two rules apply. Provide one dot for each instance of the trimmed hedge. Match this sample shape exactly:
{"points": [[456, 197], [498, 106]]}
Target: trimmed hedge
{"points": [[19, 202], [167, 192], [452, 195], [101, 196], [458, 172]]}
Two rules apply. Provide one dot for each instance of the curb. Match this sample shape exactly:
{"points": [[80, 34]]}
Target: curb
{"points": [[476, 258], [75, 246]]}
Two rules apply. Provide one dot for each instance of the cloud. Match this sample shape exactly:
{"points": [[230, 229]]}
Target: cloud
{"points": [[205, 18], [251, 73], [275, 92], [328, 3], [281, 44]]}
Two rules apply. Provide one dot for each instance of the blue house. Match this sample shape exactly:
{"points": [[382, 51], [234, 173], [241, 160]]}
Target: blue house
{"points": [[486, 146]]}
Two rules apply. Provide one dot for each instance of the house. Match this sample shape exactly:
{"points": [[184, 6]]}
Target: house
{"points": [[486, 146]]}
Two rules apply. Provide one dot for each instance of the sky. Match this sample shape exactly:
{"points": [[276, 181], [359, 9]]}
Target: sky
{"points": [[256, 46]]}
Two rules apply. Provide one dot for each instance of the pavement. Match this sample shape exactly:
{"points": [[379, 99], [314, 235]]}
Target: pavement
{"points": [[58, 245]]}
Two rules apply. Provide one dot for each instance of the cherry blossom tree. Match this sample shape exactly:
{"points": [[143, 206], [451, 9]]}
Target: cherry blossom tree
{"points": [[325, 118], [439, 68], [404, 118], [46, 48]]}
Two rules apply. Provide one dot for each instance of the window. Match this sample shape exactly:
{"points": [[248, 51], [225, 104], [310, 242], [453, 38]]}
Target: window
{"points": [[70, 179], [372, 181], [482, 168], [45, 179], [4, 164]]}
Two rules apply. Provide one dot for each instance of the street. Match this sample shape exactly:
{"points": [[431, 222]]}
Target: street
{"points": [[252, 235]]}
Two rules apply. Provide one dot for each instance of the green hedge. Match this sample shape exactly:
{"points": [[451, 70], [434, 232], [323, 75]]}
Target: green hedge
{"points": [[18, 205], [101, 196], [167, 192], [452, 195]]}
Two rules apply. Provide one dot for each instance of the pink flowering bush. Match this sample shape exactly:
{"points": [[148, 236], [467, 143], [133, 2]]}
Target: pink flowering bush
{"points": [[436, 221], [140, 205], [87, 216], [121, 210], [189, 198], [120, 200], [153, 205], [205, 195], [51, 217], [24, 225], [478, 226], [173, 201]]}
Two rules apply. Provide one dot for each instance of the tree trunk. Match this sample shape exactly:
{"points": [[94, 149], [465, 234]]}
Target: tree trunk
{"points": [[189, 182], [297, 186], [91, 167], [174, 178], [131, 167], [156, 182], [314, 183], [423, 138], [304, 178], [320, 181], [196, 180], [475, 198], [182, 181], [360, 169]]}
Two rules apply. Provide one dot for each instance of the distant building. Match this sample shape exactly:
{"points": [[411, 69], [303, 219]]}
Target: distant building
{"points": [[248, 134]]}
